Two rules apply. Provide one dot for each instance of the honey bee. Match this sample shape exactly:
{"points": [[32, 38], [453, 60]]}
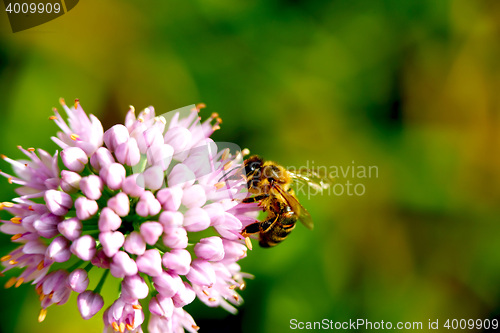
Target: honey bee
{"points": [[270, 185]]}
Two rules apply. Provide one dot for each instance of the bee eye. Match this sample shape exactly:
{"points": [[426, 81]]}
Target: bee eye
{"points": [[252, 167]]}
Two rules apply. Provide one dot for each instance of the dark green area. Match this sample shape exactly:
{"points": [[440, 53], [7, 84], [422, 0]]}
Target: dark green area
{"points": [[410, 87]]}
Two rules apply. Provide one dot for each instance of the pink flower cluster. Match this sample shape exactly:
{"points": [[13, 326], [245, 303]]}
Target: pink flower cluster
{"points": [[144, 202]]}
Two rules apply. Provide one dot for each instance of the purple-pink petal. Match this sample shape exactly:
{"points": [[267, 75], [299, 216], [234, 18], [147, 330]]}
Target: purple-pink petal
{"points": [[120, 204], [184, 296], [170, 198], [89, 303], [135, 287], [161, 306], [131, 187], [58, 202], [151, 232], [147, 205], [84, 247], [85, 208], [91, 187], [210, 248], [109, 220], [196, 219], [113, 175], [78, 280], [150, 263], [111, 242], [115, 136], [122, 265], [128, 152], [58, 250], [70, 228], [175, 238], [134, 243], [177, 260], [101, 159], [74, 159]]}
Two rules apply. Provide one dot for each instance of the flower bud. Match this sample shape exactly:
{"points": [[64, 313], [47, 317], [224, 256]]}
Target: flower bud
{"points": [[177, 260], [74, 158], [233, 251], [134, 243], [131, 186], [115, 136], [175, 238], [150, 263], [101, 260], [216, 213], [102, 158], [171, 219], [70, 228], [179, 138], [122, 265], [84, 247], [120, 204], [170, 198], [85, 208], [111, 242], [147, 205], [167, 283], [128, 152], [91, 187], [160, 156], [46, 225], [196, 219], [109, 220], [89, 303], [58, 250], [161, 306], [201, 273], [194, 196], [134, 287], [151, 231], [153, 137], [78, 280], [58, 202], [152, 178], [184, 296], [113, 175], [210, 248], [54, 282], [181, 175], [70, 181]]}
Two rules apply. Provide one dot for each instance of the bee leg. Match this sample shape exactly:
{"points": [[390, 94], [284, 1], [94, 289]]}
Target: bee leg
{"points": [[266, 224], [251, 229], [259, 226], [255, 198]]}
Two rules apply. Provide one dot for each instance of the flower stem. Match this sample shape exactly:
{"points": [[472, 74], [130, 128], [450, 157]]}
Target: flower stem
{"points": [[76, 265], [97, 289], [88, 267]]}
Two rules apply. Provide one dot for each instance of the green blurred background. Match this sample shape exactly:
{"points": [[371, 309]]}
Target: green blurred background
{"points": [[411, 87]]}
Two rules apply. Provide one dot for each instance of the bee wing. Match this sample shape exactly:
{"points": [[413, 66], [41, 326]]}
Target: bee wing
{"points": [[297, 208], [312, 178]]}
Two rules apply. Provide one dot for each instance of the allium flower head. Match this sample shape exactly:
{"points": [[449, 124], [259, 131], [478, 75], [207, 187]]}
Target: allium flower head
{"points": [[148, 202]]}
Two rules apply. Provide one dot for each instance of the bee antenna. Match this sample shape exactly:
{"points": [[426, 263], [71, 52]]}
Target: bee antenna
{"points": [[227, 173]]}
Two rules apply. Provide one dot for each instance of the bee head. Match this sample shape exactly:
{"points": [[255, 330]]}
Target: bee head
{"points": [[253, 164]]}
